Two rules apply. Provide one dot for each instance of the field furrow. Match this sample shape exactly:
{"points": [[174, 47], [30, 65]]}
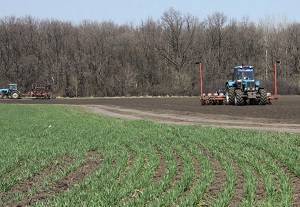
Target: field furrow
{"points": [[276, 181], [138, 188], [151, 189], [194, 180], [161, 169], [243, 190], [219, 181], [91, 163], [295, 183], [294, 180], [239, 193], [179, 167], [167, 195], [202, 178], [130, 162], [138, 184], [197, 173], [35, 182], [260, 193]]}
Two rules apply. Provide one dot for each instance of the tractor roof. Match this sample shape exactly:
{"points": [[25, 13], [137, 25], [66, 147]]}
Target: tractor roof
{"points": [[244, 67]]}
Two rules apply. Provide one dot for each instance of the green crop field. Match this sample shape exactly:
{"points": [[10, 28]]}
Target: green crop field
{"points": [[64, 156]]}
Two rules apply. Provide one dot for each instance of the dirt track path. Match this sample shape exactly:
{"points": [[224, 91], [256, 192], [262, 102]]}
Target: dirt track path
{"points": [[211, 120]]}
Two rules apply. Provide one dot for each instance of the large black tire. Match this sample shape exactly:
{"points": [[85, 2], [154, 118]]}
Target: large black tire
{"points": [[239, 100], [230, 95], [263, 97]]}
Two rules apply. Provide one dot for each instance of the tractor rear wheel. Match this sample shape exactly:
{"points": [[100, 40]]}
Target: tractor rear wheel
{"points": [[263, 97], [239, 100], [230, 96], [4, 96]]}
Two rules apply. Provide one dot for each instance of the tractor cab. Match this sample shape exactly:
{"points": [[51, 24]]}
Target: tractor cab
{"points": [[13, 87], [243, 73], [243, 78]]}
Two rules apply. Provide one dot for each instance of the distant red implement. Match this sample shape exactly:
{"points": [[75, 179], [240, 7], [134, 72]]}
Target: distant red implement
{"points": [[40, 92]]}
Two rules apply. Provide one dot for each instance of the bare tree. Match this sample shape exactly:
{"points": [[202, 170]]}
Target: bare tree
{"points": [[152, 58]]}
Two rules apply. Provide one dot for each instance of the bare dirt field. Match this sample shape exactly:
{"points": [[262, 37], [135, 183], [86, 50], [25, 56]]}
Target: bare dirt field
{"points": [[282, 115]]}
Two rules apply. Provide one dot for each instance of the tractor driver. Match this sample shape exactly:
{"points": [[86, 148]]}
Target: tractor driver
{"points": [[244, 76]]}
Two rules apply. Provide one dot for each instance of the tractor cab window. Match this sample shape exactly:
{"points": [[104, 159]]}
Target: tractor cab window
{"points": [[13, 87], [244, 75]]}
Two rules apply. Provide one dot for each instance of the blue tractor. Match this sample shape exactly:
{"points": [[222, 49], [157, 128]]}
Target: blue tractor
{"points": [[10, 92], [244, 89]]}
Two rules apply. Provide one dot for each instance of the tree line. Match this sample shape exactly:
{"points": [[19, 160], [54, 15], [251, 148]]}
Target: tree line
{"points": [[155, 57]]}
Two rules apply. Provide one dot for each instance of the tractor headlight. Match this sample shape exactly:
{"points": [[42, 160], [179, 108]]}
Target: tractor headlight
{"points": [[268, 94]]}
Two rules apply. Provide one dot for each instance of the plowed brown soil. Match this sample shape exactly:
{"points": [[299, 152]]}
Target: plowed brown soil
{"points": [[283, 115], [285, 109]]}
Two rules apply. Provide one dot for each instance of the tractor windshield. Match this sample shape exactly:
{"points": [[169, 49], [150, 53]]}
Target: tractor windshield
{"points": [[245, 75]]}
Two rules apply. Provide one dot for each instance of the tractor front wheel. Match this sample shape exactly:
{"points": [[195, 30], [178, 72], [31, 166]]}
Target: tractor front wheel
{"points": [[15, 95], [239, 100], [263, 97], [230, 96]]}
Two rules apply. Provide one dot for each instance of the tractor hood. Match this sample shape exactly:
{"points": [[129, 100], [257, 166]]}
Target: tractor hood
{"points": [[5, 90], [248, 83], [251, 82]]}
